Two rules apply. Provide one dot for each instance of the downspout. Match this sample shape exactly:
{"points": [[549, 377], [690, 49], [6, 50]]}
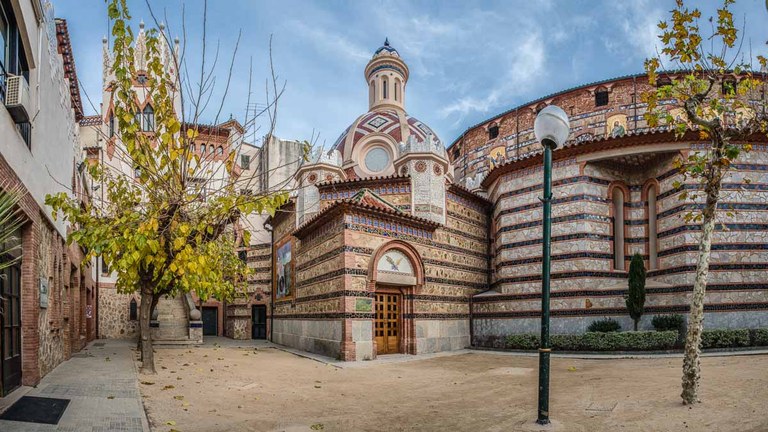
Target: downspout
{"points": [[634, 98]]}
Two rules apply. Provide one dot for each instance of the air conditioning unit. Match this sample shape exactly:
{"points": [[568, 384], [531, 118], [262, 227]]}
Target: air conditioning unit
{"points": [[17, 98]]}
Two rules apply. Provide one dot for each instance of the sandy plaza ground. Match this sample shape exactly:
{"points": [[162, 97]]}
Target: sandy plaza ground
{"points": [[215, 388]]}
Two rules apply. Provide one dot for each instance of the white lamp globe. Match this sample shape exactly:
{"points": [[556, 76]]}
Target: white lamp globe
{"points": [[552, 125]]}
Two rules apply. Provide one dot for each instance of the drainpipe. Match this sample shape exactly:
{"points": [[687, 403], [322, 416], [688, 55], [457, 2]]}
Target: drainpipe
{"points": [[634, 97]]}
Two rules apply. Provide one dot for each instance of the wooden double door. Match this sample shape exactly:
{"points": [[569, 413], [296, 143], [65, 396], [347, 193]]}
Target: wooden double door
{"points": [[388, 322]]}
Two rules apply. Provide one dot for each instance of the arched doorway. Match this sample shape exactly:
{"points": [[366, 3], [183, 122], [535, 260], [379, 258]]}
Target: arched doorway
{"points": [[396, 274]]}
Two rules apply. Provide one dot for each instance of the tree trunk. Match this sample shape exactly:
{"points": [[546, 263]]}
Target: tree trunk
{"points": [[691, 361], [147, 356], [155, 299], [636, 324]]}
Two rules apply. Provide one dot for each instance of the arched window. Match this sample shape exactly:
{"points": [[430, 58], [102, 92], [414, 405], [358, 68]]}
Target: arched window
{"points": [[111, 125], [384, 88], [220, 150], [148, 121], [202, 149], [653, 258], [397, 89], [133, 310], [371, 93], [192, 147], [617, 198], [212, 148]]}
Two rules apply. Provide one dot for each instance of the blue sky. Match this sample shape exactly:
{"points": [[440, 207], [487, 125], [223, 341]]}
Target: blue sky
{"points": [[469, 60]]}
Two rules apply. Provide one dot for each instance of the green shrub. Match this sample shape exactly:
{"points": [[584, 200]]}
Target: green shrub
{"points": [[604, 325], [523, 341], [759, 337], [668, 322], [567, 342], [725, 338], [628, 341]]}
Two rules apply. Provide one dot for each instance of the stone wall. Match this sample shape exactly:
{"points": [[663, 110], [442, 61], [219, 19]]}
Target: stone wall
{"points": [[586, 285], [589, 121], [114, 317]]}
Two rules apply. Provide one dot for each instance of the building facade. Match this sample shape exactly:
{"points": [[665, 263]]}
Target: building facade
{"points": [[393, 243], [49, 300], [269, 167], [616, 193], [380, 252]]}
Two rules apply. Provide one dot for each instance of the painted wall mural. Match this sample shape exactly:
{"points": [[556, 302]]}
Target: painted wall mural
{"points": [[284, 271], [394, 261], [616, 125]]}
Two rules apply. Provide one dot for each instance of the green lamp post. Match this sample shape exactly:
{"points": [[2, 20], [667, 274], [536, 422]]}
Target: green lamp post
{"points": [[551, 129]]}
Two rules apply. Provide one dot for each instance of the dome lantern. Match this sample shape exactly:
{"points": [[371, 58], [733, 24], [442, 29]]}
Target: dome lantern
{"points": [[386, 75]]}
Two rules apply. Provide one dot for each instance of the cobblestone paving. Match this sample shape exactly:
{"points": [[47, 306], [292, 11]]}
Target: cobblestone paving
{"points": [[102, 385]]}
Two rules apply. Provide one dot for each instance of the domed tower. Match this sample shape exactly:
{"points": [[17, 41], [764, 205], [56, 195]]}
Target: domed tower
{"points": [[386, 75], [370, 145]]}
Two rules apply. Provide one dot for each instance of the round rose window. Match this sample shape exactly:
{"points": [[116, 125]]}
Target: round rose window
{"points": [[376, 160]]}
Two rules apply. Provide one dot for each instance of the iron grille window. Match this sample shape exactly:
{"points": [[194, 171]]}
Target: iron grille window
{"points": [[245, 162]]}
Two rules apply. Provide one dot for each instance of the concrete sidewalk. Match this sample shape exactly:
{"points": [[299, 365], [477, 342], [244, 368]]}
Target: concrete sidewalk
{"points": [[101, 383]]}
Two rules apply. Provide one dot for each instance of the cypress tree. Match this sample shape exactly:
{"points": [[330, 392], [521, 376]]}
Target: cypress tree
{"points": [[636, 296]]}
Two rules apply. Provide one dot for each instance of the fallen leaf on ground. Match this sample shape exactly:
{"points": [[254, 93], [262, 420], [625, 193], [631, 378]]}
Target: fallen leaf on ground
{"points": [[168, 387], [147, 383], [170, 423], [317, 426], [110, 397], [572, 369], [179, 397]]}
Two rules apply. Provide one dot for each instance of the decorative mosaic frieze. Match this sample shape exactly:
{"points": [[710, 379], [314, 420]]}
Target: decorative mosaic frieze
{"points": [[718, 227], [623, 311], [404, 188], [367, 222], [556, 201], [325, 315], [332, 275], [466, 202]]}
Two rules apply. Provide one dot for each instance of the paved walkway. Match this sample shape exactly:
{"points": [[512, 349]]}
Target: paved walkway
{"points": [[102, 384]]}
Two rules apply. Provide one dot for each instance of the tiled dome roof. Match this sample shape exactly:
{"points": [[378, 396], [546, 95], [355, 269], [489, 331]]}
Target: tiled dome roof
{"points": [[399, 126], [386, 47]]}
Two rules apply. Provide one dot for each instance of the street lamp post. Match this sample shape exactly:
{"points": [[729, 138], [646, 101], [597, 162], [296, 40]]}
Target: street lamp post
{"points": [[551, 129]]}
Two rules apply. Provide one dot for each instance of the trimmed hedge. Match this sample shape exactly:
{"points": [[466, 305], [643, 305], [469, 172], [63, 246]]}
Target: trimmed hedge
{"points": [[598, 341], [725, 338], [759, 337], [604, 325], [668, 322], [639, 341]]}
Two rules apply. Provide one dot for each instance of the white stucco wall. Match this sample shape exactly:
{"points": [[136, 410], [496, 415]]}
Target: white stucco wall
{"points": [[47, 166]]}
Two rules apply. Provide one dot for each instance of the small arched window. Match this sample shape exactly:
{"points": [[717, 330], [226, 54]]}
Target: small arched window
{"points": [[133, 310], [212, 149], [192, 147], [220, 150], [617, 198], [397, 90], [111, 125], [384, 88], [653, 257], [371, 92], [202, 149], [148, 121]]}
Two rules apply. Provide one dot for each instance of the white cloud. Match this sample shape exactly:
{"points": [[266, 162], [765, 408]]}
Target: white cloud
{"points": [[526, 65], [333, 43]]}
